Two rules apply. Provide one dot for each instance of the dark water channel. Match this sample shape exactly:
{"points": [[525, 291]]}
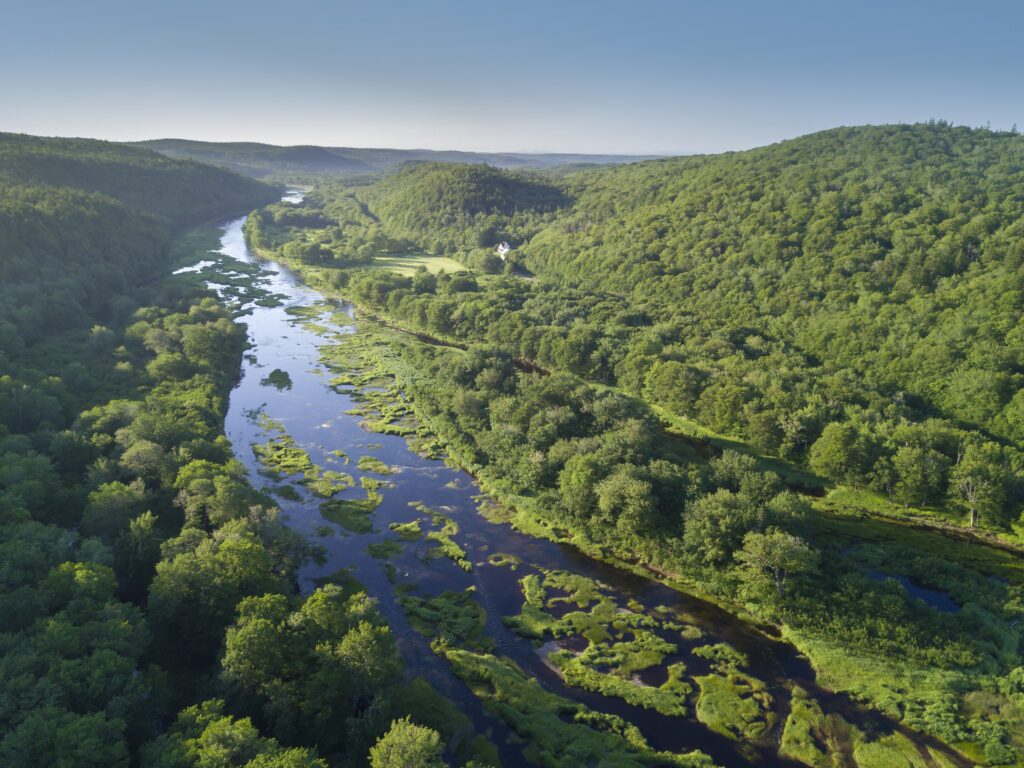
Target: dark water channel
{"points": [[313, 414]]}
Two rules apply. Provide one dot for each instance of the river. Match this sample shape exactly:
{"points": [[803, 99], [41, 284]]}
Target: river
{"points": [[313, 414]]}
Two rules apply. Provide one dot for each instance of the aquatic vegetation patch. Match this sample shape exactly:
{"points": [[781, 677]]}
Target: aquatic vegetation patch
{"points": [[265, 422], [308, 311], [239, 283], [601, 619], [408, 531], [559, 732], [452, 618], [691, 632], [362, 364], [723, 657], [446, 545], [353, 514], [735, 705], [328, 482], [373, 464], [382, 550], [820, 740], [282, 457], [501, 560], [278, 379], [670, 698], [621, 644], [285, 492]]}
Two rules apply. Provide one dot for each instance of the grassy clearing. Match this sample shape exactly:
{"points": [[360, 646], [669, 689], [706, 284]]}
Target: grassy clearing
{"points": [[408, 263]]}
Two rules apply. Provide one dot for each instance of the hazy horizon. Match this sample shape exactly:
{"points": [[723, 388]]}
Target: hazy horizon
{"points": [[654, 78]]}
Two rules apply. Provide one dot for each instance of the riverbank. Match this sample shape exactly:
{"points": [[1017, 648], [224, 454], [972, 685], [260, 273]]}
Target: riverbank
{"points": [[519, 511]]}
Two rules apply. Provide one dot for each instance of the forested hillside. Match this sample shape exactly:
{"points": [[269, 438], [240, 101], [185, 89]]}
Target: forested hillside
{"points": [[151, 614], [127, 535], [81, 222], [892, 252], [181, 191], [720, 367], [868, 279]]}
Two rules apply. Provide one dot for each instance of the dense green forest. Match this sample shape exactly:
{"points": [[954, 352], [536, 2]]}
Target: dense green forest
{"points": [[734, 370], [148, 593]]}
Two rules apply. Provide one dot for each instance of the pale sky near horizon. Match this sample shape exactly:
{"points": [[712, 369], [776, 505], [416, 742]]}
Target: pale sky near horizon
{"points": [[564, 76]]}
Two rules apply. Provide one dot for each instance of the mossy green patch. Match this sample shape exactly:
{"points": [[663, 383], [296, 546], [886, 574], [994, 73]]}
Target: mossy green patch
{"points": [[581, 670], [408, 263]]}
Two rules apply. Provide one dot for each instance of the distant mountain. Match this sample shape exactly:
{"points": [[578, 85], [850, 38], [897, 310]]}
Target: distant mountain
{"points": [[261, 160]]}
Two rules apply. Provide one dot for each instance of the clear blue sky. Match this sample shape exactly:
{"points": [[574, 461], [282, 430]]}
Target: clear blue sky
{"points": [[629, 76]]}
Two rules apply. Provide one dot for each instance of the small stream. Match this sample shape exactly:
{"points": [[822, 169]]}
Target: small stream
{"points": [[313, 414]]}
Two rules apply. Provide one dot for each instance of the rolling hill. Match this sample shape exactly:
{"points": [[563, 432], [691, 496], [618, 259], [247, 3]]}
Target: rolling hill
{"points": [[261, 160]]}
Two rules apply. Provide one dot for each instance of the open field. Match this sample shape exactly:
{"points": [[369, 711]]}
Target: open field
{"points": [[407, 264]]}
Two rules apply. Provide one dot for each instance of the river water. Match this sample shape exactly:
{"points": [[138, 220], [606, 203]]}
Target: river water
{"points": [[313, 414]]}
